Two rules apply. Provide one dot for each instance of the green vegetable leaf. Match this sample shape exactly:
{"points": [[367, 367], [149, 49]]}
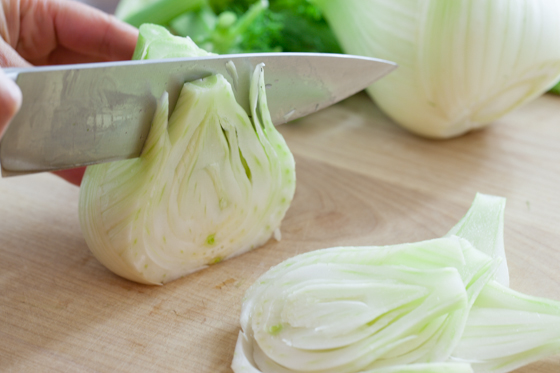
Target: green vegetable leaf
{"points": [[555, 89], [226, 26], [161, 12]]}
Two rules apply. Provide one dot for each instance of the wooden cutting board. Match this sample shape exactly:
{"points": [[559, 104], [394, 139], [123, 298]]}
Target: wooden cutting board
{"points": [[361, 181]]}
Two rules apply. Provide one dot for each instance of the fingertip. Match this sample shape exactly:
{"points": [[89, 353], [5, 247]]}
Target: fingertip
{"points": [[89, 31], [123, 39], [10, 100], [10, 94], [130, 30]]}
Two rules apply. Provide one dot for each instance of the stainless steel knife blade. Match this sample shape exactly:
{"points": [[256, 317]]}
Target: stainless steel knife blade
{"points": [[77, 115]]}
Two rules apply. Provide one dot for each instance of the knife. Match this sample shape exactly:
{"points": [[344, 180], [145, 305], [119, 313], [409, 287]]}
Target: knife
{"points": [[78, 115]]}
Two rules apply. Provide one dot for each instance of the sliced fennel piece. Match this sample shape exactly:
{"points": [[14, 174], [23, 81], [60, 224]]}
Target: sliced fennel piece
{"points": [[506, 330], [212, 182], [483, 227], [350, 309], [431, 306], [462, 63]]}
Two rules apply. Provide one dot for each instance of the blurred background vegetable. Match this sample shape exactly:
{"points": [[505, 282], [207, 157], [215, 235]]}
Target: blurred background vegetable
{"points": [[228, 26], [463, 63]]}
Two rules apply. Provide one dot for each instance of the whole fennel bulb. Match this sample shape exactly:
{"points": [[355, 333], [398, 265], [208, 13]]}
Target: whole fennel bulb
{"points": [[212, 181], [462, 63]]}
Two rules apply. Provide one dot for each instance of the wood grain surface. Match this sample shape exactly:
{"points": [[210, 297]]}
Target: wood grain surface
{"points": [[361, 181]]}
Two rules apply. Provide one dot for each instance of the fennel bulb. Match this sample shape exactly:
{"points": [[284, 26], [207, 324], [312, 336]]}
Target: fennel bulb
{"points": [[212, 182], [462, 63], [431, 306]]}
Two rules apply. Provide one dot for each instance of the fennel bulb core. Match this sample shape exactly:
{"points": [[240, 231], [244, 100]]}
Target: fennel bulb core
{"points": [[441, 305], [462, 64], [212, 182]]}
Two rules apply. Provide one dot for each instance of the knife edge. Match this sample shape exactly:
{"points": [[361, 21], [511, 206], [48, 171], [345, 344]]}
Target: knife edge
{"points": [[297, 84]]}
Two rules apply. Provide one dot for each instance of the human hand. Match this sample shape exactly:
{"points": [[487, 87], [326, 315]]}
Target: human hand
{"points": [[51, 32], [10, 101]]}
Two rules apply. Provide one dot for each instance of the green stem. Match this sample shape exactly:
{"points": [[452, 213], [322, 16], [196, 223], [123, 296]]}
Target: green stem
{"points": [[162, 12], [249, 17], [555, 89], [225, 38]]}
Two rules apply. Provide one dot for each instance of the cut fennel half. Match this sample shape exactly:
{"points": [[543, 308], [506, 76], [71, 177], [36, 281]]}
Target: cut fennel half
{"points": [[432, 306], [212, 181]]}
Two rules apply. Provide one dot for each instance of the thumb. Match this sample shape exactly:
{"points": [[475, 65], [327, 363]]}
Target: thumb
{"points": [[10, 100]]}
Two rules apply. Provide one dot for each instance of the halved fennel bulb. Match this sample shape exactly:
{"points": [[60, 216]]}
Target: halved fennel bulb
{"points": [[431, 306], [462, 63], [212, 182]]}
